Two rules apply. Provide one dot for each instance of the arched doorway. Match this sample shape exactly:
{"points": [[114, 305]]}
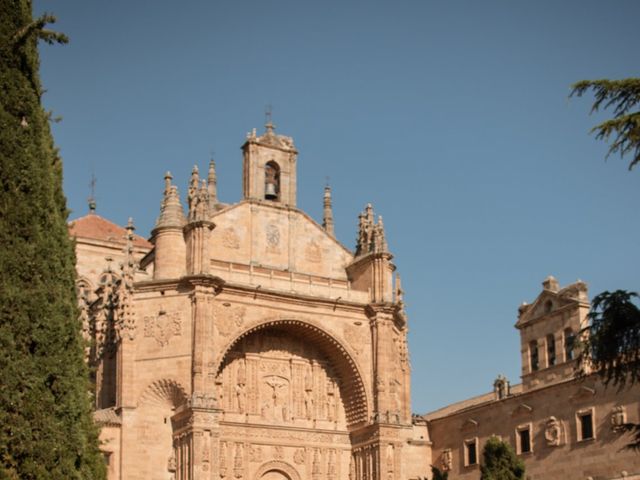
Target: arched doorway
{"points": [[290, 394]]}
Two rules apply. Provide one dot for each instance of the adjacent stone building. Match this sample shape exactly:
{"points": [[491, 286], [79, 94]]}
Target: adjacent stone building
{"points": [[562, 427], [243, 341]]}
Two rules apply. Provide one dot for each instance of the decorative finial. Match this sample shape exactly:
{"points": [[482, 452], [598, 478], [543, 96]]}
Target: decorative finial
{"points": [[92, 197], [268, 114], [167, 182], [212, 183], [327, 218]]}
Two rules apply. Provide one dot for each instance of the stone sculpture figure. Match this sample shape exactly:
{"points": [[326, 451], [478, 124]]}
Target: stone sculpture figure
{"points": [[553, 432]]}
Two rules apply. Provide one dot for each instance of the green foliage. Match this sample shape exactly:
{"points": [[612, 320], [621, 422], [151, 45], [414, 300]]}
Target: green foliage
{"points": [[623, 96], [437, 474], [610, 345], [46, 429], [500, 462]]}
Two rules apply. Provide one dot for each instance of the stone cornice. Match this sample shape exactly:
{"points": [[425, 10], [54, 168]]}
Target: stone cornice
{"points": [[370, 257], [258, 292]]}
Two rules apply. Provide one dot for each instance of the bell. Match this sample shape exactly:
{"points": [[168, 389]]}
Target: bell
{"points": [[270, 191]]}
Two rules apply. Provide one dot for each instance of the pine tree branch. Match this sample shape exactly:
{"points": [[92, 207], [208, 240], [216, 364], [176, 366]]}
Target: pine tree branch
{"points": [[622, 96], [36, 27]]}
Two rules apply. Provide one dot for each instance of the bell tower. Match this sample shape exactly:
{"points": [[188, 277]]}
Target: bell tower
{"points": [[269, 167]]}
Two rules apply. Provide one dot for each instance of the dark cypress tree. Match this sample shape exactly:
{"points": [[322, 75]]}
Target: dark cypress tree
{"points": [[46, 429]]}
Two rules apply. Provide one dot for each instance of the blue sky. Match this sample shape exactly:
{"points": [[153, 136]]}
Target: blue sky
{"points": [[451, 117]]}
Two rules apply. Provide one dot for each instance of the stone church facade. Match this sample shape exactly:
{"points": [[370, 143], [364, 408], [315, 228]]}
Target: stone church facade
{"points": [[243, 341], [246, 342]]}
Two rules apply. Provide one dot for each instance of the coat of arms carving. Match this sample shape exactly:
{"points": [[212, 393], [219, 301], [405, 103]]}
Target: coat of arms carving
{"points": [[228, 319], [163, 326]]}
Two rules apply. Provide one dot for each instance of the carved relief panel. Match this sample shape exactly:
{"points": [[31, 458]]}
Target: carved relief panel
{"points": [[275, 378]]}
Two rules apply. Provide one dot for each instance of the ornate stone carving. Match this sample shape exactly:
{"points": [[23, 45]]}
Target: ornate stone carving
{"points": [[315, 467], [501, 387], [238, 464], [300, 456], [352, 468], [222, 460], [273, 238], [447, 460], [618, 418], [230, 238], [228, 318], [278, 452], [255, 453], [312, 252], [390, 461], [202, 400], [163, 326], [553, 432], [356, 336], [371, 236], [331, 465]]}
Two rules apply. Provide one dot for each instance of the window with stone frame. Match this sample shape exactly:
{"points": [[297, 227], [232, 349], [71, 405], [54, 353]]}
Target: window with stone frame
{"points": [[523, 439], [471, 452], [585, 424]]}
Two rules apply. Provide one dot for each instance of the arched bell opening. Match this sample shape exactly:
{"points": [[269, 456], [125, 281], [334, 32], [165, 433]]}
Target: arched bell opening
{"points": [[272, 181], [290, 372]]}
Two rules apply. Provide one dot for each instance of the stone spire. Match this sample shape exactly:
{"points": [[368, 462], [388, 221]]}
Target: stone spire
{"points": [[199, 204], [327, 217], [379, 238], [125, 324], [212, 185], [171, 212]]}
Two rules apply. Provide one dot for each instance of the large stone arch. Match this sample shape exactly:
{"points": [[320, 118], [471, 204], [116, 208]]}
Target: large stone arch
{"points": [[356, 401], [279, 467]]}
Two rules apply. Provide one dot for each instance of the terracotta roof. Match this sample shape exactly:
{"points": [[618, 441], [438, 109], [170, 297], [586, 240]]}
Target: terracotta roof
{"points": [[469, 403], [107, 416], [95, 227]]}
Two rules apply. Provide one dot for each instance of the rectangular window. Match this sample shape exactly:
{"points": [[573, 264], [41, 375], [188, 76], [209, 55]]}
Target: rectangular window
{"points": [[471, 453], [524, 439], [551, 350], [586, 425]]}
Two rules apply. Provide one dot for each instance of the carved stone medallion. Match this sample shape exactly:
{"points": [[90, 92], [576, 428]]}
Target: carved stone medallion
{"points": [[229, 318], [273, 238], [163, 326], [230, 238], [313, 253], [553, 432], [618, 418]]}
